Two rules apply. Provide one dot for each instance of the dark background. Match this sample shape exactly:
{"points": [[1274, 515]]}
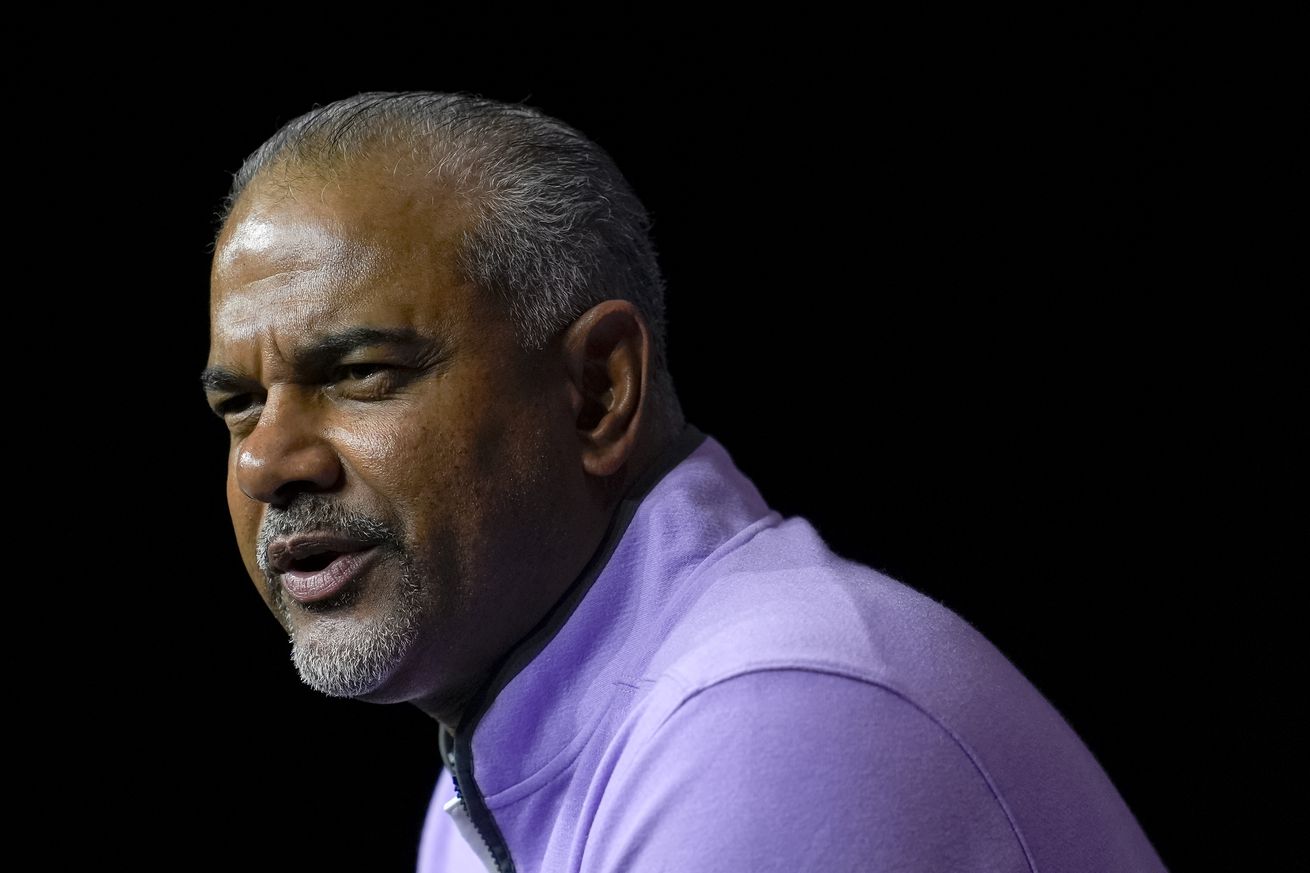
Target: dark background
{"points": [[944, 297]]}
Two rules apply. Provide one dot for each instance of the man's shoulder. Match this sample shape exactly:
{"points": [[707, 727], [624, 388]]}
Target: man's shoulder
{"points": [[782, 599], [794, 766], [726, 586], [783, 611], [790, 682]]}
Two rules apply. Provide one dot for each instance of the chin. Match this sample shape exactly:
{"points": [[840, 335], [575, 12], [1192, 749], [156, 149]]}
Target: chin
{"points": [[355, 645], [347, 657]]}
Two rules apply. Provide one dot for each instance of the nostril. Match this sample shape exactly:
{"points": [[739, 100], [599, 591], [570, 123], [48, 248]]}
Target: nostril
{"points": [[289, 491]]}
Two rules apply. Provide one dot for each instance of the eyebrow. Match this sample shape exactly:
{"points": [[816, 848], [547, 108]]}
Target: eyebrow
{"points": [[215, 379], [321, 352]]}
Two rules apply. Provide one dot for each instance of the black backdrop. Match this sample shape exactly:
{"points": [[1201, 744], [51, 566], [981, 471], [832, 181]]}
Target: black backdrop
{"points": [[938, 301]]}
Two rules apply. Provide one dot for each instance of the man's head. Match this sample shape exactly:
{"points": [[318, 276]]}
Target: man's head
{"points": [[436, 339]]}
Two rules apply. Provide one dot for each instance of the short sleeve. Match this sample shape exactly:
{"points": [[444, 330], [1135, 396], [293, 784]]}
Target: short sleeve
{"points": [[797, 770]]}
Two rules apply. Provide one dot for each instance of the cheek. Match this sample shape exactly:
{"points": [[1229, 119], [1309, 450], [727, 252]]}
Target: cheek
{"points": [[410, 459], [386, 464], [370, 447], [245, 515]]}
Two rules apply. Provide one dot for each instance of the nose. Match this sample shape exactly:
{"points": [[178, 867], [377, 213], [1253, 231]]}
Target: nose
{"points": [[286, 453]]}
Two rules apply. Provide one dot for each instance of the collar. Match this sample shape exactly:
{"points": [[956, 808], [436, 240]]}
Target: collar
{"points": [[497, 721], [459, 747]]}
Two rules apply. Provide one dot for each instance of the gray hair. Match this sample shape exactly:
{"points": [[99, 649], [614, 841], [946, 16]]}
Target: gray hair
{"points": [[556, 226]]}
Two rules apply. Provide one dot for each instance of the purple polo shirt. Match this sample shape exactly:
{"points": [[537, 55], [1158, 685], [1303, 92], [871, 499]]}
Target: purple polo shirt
{"points": [[720, 692]]}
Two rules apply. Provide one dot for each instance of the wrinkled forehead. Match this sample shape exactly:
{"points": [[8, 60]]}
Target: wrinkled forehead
{"points": [[318, 248], [304, 264]]}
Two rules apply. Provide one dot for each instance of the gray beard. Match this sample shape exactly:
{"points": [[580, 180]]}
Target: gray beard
{"points": [[334, 652], [343, 656]]}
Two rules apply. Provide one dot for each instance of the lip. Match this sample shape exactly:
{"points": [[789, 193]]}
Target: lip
{"points": [[308, 586], [284, 551], [308, 583]]}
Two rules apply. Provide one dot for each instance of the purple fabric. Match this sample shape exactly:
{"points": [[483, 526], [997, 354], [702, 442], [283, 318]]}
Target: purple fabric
{"points": [[731, 695]]}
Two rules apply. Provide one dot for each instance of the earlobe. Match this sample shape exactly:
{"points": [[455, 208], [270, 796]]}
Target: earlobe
{"points": [[608, 355]]}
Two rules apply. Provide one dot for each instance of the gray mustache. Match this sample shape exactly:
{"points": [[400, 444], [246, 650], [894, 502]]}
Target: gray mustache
{"points": [[305, 515]]}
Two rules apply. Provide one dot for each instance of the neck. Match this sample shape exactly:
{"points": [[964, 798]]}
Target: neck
{"points": [[449, 710]]}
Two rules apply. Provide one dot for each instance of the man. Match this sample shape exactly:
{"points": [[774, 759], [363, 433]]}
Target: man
{"points": [[460, 478]]}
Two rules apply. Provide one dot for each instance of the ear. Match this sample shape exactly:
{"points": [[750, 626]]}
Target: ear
{"points": [[607, 354]]}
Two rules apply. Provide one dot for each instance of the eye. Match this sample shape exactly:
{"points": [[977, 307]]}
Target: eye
{"points": [[364, 381], [233, 405], [358, 372]]}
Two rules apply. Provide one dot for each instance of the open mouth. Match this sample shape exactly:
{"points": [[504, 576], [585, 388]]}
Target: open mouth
{"points": [[313, 563], [324, 574], [314, 567]]}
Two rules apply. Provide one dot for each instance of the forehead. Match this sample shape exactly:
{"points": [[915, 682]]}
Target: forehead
{"points": [[321, 251]]}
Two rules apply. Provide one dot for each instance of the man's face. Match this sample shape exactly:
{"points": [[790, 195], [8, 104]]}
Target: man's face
{"points": [[395, 459]]}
